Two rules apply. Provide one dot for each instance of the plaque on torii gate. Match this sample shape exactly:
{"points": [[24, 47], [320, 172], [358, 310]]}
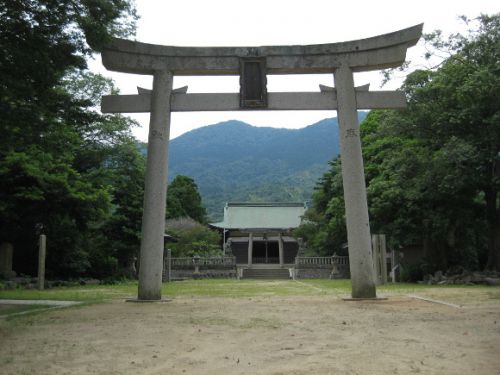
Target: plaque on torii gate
{"points": [[252, 64]]}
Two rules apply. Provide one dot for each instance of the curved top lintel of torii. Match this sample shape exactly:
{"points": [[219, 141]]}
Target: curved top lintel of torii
{"points": [[378, 52]]}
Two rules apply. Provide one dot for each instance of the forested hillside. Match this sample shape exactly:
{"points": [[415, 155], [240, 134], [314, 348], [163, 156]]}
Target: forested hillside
{"points": [[234, 161]]}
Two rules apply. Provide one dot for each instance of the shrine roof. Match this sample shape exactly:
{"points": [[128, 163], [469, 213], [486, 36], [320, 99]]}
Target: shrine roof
{"points": [[262, 215]]}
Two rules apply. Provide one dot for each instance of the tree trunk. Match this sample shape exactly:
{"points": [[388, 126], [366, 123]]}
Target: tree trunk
{"points": [[493, 230]]}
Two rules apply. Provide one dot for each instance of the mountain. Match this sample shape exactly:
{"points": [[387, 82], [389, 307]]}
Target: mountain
{"points": [[234, 161]]}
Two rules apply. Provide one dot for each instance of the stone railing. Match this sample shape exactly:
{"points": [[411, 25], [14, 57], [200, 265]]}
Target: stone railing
{"points": [[225, 267], [322, 261], [340, 260], [180, 262], [199, 261]]}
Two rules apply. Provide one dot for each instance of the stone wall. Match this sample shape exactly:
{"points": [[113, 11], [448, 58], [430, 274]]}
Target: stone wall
{"points": [[313, 273], [322, 272]]}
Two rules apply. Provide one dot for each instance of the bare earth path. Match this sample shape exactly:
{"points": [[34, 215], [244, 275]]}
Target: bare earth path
{"points": [[259, 335]]}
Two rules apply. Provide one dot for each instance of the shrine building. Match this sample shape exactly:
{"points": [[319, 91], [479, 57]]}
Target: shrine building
{"points": [[260, 234]]}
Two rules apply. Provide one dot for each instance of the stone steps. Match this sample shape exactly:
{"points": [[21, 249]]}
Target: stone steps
{"points": [[263, 273]]}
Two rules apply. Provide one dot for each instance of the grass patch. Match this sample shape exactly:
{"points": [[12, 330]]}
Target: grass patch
{"points": [[86, 293], [227, 288], [237, 288], [256, 288], [230, 288]]}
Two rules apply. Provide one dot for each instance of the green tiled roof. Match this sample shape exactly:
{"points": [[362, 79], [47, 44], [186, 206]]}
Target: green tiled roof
{"points": [[261, 215]]}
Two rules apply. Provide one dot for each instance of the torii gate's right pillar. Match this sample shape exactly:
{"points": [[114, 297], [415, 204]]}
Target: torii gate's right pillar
{"points": [[353, 176]]}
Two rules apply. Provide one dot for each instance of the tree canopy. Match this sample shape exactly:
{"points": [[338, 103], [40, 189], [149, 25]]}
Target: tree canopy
{"points": [[432, 170], [184, 200], [193, 238], [63, 164]]}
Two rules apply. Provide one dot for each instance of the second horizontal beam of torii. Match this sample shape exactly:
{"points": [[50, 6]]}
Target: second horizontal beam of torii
{"points": [[181, 102]]}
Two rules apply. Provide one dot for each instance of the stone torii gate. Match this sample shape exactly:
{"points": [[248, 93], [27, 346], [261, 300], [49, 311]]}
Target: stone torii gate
{"points": [[252, 64]]}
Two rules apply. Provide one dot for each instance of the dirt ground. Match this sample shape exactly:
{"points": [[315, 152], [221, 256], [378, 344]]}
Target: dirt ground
{"points": [[271, 335]]}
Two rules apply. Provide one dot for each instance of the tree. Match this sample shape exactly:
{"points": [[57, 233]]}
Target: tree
{"points": [[183, 199], [116, 241], [323, 227], [54, 144], [193, 239], [41, 41], [419, 194], [456, 107], [432, 170]]}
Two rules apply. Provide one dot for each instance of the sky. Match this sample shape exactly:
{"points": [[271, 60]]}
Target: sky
{"points": [[278, 22]]}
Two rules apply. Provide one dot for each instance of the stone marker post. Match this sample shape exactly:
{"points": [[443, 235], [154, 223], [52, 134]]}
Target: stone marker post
{"points": [[42, 251], [394, 265], [353, 176], [379, 258], [6, 254], [383, 258], [155, 190]]}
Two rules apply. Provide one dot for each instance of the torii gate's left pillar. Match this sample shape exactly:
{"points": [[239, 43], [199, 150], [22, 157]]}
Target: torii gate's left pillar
{"points": [[155, 190]]}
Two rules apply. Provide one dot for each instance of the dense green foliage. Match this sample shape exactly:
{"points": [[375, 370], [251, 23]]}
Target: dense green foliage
{"points": [[184, 200], [432, 171], [235, 162], [63, 165], [193, 238], [199, 241]]}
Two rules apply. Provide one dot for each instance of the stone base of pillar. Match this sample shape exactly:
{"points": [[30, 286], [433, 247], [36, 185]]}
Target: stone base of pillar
{"points": [[136, 300]]}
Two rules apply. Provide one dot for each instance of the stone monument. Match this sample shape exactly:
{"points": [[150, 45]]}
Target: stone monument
{"points": [[252, 64]]}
